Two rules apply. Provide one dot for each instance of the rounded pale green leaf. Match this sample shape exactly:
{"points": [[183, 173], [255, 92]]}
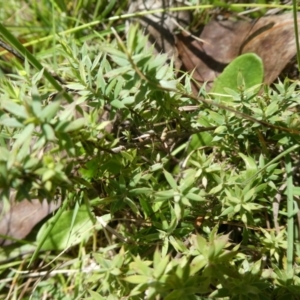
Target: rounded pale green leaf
{"points": [[246, 70]]}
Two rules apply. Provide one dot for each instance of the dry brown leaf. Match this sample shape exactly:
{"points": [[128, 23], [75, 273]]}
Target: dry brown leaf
{"points": [[271, 37], [275, 44], [222, 44], [22, 217]]}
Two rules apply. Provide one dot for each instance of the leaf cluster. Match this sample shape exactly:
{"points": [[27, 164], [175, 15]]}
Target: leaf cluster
{"points": [[166, 195]]}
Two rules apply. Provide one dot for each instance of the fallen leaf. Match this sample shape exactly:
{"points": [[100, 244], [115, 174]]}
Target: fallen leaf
{"points": [[271, 38], [18, 222], [275, 45], [206, 60]]}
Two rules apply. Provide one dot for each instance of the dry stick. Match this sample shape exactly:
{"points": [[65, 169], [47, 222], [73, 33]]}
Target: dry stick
{"points": [[11, 50], [189, 33], [198, 99]]}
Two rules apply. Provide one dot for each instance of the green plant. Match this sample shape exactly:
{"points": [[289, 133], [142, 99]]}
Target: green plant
{"points": [[158, 202]]}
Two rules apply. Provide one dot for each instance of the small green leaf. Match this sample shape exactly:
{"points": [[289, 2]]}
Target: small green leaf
{"points": [[198, 140], [48, 175], [249, 194], [156, 167], [49, 132], [220, 244], [271, 109], [11, 122], [137, 279], [75, 125], [14, 108], [4, 154], [168, 84], [164, 195], [216, 189], [96, 296], [118, 104], [220, 129], [201, 243], [23, 136], [194, 197], [49, 111], [249, 161], [143, 190], [198, 263], [177, 244], [227, 211], [37, 77], [132, 39], [160, 268], [76, 86], [170, 180], [188, 180]]}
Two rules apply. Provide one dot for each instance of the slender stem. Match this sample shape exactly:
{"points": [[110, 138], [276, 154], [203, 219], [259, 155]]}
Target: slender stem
{"points": [[295, 15], [290, 208]]}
